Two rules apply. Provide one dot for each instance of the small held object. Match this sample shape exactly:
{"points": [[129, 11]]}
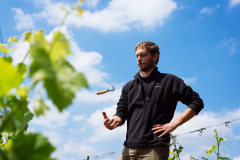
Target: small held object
{"points": [[105, 91]]}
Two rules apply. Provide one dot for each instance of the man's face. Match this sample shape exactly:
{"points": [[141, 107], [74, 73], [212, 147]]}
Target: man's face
{"points": [[145, 59]]}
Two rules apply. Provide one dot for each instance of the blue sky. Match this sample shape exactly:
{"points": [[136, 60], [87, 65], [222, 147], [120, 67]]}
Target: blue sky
{"points": [[199, 41]]}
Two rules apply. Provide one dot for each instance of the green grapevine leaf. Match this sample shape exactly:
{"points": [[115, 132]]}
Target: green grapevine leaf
{"points": [[221, 139], [19, 115], [22, 92], [5, 50], [31, 146], [40, 107], [59, 78], [210, 150], [10, 76], [8, 145], [12, 39], [180, 149], [27, 36], [60, 47]]}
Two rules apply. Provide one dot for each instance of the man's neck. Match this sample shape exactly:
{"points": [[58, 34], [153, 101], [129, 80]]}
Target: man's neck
{"points": [[146, 73]]}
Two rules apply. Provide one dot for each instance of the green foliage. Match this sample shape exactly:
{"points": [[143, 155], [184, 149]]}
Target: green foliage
{"points": [[31, 146], [11, 76], [215, 148], [210, 150], [50, 66], [40, 107], [4, 49], [60, 80], [174, 155]]}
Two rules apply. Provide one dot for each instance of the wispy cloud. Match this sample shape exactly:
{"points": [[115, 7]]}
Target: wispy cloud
{"points": [[237, 158], [234, 3], [92, 3], [78, 118], [23, 21], [209, 10], [191, 80], [229, 44]]}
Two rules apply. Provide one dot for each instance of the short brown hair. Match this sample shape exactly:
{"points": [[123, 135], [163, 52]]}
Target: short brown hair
{"points": [[150, 47]]}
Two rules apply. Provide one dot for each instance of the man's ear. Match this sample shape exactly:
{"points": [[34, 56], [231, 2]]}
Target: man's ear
{"points": [[155, 57]]}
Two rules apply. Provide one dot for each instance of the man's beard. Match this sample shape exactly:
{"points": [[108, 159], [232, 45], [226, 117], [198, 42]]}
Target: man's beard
{"points": [[148, 66]]}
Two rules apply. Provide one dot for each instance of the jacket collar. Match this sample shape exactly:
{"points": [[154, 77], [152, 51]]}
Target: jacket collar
{"points": [[154, 72]]}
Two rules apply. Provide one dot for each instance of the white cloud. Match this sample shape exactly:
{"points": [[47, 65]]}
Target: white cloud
{"points": [[207, 10], [119, 15], [237, 158], [230, 44], [53, 137], [53, 117], [80, 148], [79, 117], [24, 21], [191, 80], [100, 133], [234, 3], [92, 3]]}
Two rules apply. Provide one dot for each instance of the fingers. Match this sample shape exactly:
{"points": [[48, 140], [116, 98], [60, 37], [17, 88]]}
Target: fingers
{"points": [[159, 128], [104, 115], [110, 124], [163, 134]]}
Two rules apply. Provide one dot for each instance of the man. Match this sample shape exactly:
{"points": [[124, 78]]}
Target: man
{"points": [[148, 104]]}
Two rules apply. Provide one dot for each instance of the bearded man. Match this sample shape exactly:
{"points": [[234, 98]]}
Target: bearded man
{"points": [[148, 104]]}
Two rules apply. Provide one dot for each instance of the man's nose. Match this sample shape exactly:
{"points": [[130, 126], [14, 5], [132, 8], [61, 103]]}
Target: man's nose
{"points": [[139, 58]]}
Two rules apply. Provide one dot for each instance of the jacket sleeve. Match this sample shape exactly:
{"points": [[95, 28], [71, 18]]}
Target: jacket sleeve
{"points": [[122, 105], [187, 96]]}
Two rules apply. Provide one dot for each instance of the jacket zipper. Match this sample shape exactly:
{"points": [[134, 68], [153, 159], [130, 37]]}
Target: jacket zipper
{"points": [[147, 95]]}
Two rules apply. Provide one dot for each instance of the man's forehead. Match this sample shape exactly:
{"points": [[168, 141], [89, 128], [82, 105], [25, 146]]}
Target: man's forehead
{"points": [[141, 50]]}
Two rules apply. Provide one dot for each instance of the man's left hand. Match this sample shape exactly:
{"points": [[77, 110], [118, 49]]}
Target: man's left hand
{"points": [[165, 128]]}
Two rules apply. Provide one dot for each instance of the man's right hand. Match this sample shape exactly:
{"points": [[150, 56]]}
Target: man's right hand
{"points": [[113, 123]]}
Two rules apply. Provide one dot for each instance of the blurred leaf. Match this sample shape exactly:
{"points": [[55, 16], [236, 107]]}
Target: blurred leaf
{"points": [[10, 77], [13, 39], [214, 135], [210, 150], [41, 31], [8, 145], [221, 139], [31, 146], [59, 78], [40, 107], [80, 11], [22, 92], [19, 115], [180, 149], [5, 50], [60, 47], [27, 36]]}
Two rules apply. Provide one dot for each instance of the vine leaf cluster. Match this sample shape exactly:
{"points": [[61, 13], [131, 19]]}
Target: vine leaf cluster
{"points": [[60, 81]]}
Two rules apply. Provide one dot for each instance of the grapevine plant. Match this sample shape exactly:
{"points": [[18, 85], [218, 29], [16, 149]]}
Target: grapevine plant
{"points": [[60, 81], [174, 153]]}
